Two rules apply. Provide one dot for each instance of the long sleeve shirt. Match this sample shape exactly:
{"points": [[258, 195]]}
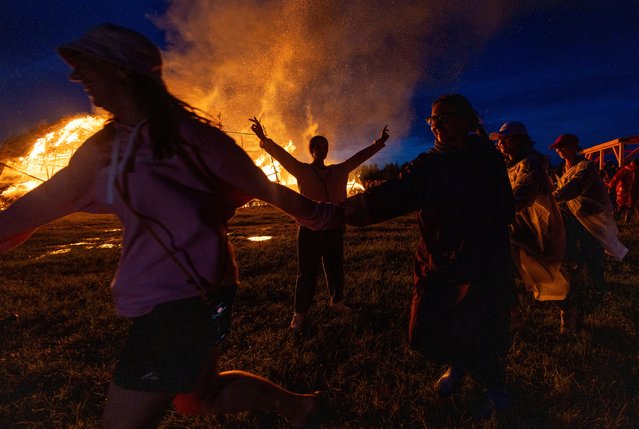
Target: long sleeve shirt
{"points": [[174, 210], [464, 204], [321, 184]]}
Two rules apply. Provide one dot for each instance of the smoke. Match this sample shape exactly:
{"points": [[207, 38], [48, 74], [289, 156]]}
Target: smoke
{"points": [[342, 69]]}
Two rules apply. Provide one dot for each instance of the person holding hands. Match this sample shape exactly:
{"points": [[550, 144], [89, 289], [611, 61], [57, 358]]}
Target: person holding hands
{"points": [[320, 182]]}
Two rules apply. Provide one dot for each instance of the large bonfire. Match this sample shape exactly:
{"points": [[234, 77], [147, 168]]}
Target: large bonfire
{"points": [[40, 157]]}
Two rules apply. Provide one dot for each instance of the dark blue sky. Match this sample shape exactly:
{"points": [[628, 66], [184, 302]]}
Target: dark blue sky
{"points": [[568, 66]]}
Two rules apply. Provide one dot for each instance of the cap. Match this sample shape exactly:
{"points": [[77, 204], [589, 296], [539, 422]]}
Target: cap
{"points": [[565, 140], [116, 45], [509, 129]]}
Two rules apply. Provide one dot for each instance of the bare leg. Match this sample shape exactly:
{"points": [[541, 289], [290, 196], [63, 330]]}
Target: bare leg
{"points": [[134, 409], [243, 391], [234, 391]]}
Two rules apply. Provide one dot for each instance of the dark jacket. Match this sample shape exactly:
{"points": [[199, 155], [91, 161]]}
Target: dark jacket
{"points": [[464, 204], [463, 283]]}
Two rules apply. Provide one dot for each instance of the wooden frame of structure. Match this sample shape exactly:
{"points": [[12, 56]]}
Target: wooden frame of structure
{"points": [[618, 147]]}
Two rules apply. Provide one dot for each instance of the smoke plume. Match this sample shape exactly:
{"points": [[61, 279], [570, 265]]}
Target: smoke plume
{"points": [[342, 69]]}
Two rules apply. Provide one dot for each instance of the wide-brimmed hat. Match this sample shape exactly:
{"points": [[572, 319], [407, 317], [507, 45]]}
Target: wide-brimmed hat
{"points": [[509, 129], [116, 45], [566, 140]]}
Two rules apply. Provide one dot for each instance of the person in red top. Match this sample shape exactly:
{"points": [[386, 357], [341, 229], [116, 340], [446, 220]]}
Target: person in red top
{"points": [[625, 185], [319, 182]]}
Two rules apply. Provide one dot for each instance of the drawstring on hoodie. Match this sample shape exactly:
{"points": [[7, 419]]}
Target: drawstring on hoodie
{"points": [[117, 167]]}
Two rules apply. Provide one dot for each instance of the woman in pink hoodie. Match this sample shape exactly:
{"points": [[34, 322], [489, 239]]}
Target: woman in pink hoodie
{"points": [[174, 181]]}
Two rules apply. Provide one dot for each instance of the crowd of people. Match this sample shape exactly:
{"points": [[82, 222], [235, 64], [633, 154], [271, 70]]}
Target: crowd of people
{"points": [[485, 214]]}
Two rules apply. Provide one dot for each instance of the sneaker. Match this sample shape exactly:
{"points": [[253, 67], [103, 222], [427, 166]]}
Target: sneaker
{"points": [[297, 322], [450, 381], [341, 308]]}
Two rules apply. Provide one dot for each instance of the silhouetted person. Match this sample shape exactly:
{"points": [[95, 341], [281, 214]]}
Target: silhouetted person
{"points": [[319, 182], [463, 282]]}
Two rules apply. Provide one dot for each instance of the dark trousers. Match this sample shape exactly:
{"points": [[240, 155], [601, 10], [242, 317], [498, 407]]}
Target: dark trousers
{"points": [[585, 262], [315, 248]]}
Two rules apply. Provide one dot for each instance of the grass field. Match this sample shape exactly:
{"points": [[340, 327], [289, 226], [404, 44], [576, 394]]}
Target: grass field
{"points": [[57, 355]]}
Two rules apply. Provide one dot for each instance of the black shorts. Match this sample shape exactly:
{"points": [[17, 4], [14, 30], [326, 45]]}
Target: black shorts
{"points": [[167, 348]]}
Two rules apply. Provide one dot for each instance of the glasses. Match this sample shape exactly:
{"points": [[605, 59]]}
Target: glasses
{"points": [[440, 119]]}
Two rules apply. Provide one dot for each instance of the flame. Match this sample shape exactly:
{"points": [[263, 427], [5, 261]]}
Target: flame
{"points": [[259, 238], [274, 170], [52, 152], [47, 155]]}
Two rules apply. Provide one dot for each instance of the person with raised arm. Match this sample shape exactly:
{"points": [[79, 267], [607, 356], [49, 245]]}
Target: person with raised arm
{"points": [[320, 182]]}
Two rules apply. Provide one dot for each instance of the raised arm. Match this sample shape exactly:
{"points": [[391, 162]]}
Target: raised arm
{"points": [[287, 160], [229, 163], [354, 161]]}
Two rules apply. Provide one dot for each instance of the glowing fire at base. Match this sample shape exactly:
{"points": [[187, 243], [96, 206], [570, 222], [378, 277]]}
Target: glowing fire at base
{"points": [[48, 154], [260, 238], [53, 151]]}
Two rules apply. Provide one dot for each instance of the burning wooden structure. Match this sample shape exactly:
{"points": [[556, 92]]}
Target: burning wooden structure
{"points": [[28, 161]]}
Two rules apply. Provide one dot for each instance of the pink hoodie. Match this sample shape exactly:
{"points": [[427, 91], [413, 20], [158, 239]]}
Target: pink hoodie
{"points": [[185, 199]]}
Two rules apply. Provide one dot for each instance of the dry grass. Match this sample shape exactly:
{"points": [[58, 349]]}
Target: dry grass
{"points": [[57, 356]]}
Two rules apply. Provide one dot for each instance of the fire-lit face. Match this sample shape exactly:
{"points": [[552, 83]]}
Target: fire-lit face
{"points": [[566, 152], [447, 125], [103, 81], [507, 145]]}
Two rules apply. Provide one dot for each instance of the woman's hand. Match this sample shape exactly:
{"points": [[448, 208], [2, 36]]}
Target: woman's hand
{"points": [[257, 129], [384, 136]]}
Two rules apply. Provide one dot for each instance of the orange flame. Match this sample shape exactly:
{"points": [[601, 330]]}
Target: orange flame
{"points": [[48, 154], [52, 152]]}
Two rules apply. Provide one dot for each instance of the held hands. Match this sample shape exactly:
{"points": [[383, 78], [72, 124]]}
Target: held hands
{"points": [[384, 136], [258, 130]]}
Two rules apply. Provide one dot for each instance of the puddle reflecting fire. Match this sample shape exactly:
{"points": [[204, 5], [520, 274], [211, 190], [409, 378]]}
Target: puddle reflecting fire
{"points": [[259, 238]]}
